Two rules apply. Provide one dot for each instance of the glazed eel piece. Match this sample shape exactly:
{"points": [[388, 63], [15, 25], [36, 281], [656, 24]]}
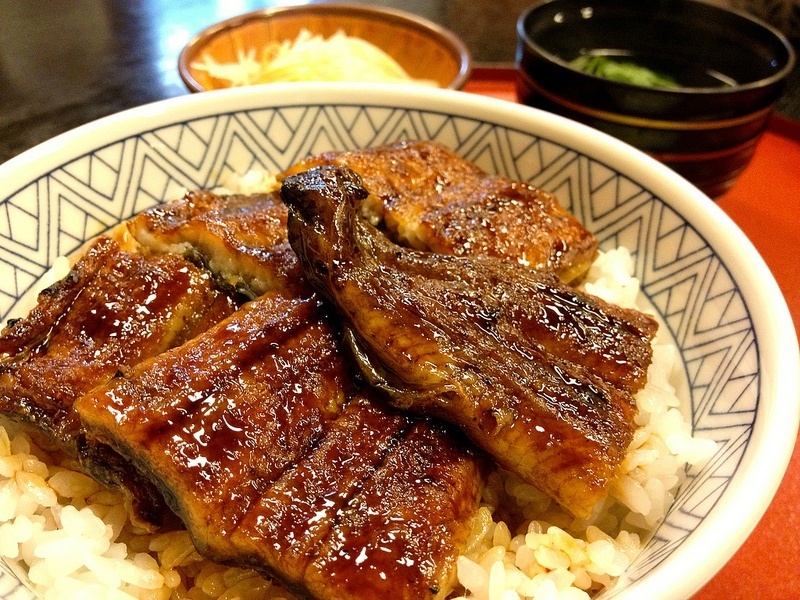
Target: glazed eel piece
{"points": [[240, 238], [114, 309], [536, 373], [426, 197], [274, 461]]}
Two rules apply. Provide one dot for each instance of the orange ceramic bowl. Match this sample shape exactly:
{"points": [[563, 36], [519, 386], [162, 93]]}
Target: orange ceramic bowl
{"points": [[424, 49]]}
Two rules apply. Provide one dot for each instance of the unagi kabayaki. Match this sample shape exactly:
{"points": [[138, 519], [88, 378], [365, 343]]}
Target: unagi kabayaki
{"points": [[252, 425], [428, 198], [239, 238], [536, 373], [114, 309], [274, 461]]}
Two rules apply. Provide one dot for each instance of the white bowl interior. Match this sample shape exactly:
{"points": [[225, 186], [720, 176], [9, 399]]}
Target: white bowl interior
{"points": [[708, 284]]}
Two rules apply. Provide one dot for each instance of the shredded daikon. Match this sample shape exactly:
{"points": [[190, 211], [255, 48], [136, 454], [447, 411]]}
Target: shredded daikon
{"points": [[311, 57]]}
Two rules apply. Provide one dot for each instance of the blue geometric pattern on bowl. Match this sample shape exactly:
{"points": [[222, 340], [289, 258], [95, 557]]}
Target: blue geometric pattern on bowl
{"points": [[680, 273]]}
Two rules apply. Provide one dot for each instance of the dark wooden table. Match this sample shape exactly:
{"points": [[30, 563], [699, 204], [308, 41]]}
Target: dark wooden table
{"points": [[66, 62]]}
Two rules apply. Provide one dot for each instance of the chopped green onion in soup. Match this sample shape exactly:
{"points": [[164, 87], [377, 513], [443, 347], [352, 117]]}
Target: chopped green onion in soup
{"points": [[624, 71]]}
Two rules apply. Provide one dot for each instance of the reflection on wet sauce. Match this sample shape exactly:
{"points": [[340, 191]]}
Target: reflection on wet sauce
{"points": [[224, 413], [273, 459], [113, 310], [388, 536]]}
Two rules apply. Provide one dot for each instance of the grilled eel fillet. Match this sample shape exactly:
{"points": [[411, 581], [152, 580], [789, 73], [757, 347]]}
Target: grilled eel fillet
{"points": [[241, 239], [254, 433], [427, 198], [535, 373], [113, 309]]}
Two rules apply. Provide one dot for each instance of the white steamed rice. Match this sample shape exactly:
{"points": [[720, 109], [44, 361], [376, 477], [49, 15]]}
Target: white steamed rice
{"points": [[72, 538]]}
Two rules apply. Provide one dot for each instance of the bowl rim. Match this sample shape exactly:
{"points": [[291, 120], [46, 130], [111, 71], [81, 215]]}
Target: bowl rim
{"points": [[392, 15], [763, 464], [524, 38]]}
